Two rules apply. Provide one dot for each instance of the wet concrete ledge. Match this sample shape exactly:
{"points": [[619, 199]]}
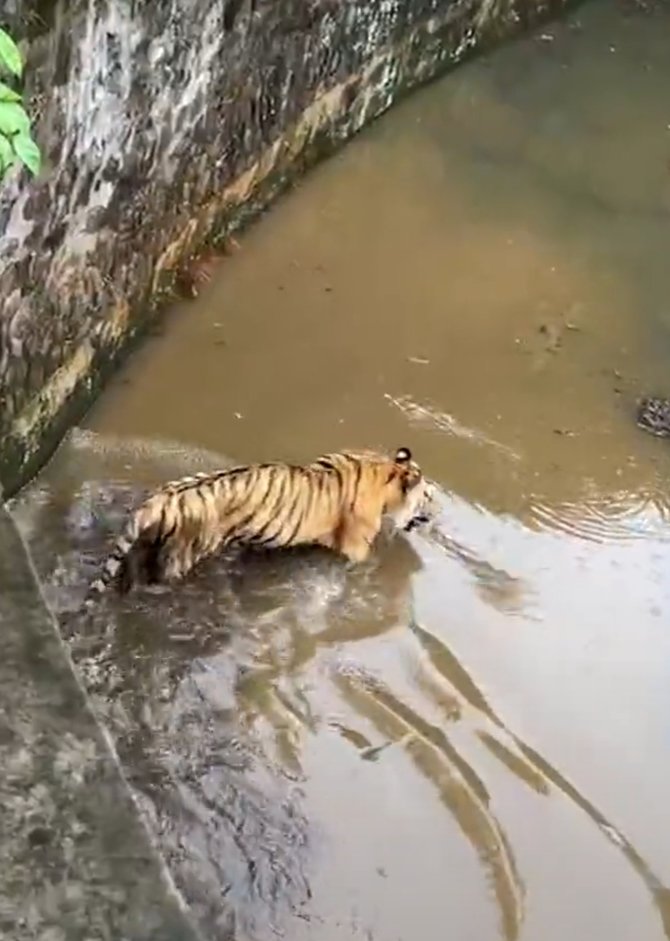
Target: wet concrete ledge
{"points": [[76, 861], [167, 125]]}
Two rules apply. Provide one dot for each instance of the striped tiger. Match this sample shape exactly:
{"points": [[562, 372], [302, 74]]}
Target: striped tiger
{"points": [[338, 501]]}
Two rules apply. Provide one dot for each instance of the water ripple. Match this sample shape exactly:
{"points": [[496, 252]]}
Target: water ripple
{"points": [[617, 518], [437, 418]]}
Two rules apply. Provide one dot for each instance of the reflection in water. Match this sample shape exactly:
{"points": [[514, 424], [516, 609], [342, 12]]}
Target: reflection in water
{"points": [[467, 735], [533, 769], [659, 892], [459, 788], [495, 586]]}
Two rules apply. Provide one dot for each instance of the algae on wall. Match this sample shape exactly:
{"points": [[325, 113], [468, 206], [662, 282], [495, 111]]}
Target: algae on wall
{"points": [[164, 124]]}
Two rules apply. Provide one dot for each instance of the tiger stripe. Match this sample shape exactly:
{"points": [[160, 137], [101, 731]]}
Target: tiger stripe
{"points": [[338, 501]]}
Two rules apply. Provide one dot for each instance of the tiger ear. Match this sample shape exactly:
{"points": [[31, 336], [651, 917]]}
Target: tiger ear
{"points": [[403, 456]]}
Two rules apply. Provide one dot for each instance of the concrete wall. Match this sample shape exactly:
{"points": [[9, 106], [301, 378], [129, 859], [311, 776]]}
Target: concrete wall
{"points": [[165, 125], [77, 860]]}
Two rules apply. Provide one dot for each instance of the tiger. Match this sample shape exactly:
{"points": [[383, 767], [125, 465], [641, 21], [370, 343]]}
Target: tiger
{"points": [[338, 501]]}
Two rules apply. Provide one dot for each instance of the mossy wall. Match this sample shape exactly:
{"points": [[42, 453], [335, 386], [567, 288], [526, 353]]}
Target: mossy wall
{"points": [[166, 124]]}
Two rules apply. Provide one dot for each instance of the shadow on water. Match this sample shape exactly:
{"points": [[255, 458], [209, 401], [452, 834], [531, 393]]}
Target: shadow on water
{"points": [[467, 735]]}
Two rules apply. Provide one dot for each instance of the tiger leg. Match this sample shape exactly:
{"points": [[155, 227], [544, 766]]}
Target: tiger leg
{"points": [[355, 538], [177, 562]]}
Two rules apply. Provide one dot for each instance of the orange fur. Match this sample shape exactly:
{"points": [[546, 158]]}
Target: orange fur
{"points": [[338, 501]]}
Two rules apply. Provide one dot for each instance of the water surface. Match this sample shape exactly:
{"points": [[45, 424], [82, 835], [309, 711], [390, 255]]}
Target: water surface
{"points": [[467, 737]]}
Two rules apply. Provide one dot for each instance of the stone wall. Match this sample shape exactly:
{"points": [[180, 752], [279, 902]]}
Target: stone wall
{"points": [[165, 125]]}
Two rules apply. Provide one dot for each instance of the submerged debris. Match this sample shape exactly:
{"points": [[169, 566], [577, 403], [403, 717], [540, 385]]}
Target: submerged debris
{"points": [[653, 415], [199, 269]]}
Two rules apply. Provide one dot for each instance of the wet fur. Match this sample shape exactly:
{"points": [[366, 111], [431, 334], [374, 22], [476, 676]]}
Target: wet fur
{"points": [[338, 501]]}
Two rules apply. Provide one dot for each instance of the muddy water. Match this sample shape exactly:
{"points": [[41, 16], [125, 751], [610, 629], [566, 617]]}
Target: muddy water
{"points": [[468, 736]]}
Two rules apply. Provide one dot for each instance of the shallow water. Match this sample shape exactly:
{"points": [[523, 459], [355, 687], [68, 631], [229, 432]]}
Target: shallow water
{"points": [[469, 735]]}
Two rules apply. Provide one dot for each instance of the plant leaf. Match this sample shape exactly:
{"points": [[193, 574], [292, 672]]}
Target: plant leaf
{"points": [[28, 152], [8, 94], [7, 155], [10, 56], [13, 119]]}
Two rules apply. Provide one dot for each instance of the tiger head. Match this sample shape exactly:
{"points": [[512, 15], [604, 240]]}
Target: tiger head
{"points": [[410, 498]]}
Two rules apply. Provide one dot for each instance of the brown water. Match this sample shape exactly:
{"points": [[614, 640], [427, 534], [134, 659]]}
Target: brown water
{"points": [[468, 737]]}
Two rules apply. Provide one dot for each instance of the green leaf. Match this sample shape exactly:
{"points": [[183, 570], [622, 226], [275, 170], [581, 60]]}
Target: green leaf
{"points": [[10, 56], [13, 119], [7, 155], [8, 94], [28, 152]]}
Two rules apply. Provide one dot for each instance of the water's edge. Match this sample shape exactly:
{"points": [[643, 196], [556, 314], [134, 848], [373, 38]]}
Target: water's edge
{"points": [[84, 266]]}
